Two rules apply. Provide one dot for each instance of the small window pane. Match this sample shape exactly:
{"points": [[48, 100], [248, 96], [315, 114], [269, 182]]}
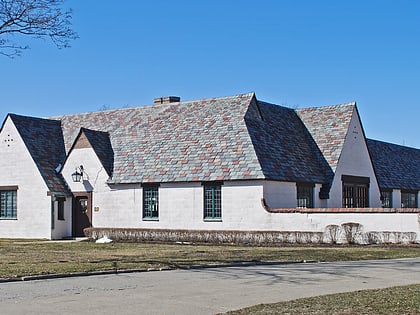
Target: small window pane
{"points": [[8, 204], [151, 202], [355, 195], [305, 196], [386, 198], [409, 199], [212, 201]]}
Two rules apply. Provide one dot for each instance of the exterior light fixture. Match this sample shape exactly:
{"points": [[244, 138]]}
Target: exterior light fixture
{"points": [[78, 174]]}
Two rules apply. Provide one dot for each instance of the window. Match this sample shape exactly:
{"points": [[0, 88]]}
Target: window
{"points": [[213, 201], [150, 202], [305, 195], [409, 199], [60, 208], [355, 191], [386, 197], [8, 209]]}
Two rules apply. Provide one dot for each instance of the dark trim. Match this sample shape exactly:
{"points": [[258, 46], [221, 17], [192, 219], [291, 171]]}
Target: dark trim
{"points": [[324, 191], [212, 182], [305, 184], [409, 191], [150, 184], [5, 188], [355, 179]]}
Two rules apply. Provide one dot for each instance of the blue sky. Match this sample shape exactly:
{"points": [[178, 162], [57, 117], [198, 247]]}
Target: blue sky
{"points": [[293, 53]]}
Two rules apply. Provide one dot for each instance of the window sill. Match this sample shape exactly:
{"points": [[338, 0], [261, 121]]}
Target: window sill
{"points": [[212, 220], [150, 219], [9, 219]]}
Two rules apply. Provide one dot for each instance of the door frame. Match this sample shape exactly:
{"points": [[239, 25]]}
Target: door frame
{"points": [[76, 195]]}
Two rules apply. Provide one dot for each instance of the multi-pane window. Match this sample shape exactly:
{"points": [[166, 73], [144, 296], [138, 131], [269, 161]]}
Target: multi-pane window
{"points": [[212, 201], [409, 199], [355, 191], [8, 208], [151, 202], [386, 197], [305, 195]]}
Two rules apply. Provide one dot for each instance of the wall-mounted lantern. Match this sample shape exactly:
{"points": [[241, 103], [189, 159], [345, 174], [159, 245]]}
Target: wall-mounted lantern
{"points": [[77, 176]]}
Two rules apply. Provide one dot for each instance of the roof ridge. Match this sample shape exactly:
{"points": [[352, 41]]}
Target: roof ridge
{"points": [[394, 144], [241, 95], [353, 103]]}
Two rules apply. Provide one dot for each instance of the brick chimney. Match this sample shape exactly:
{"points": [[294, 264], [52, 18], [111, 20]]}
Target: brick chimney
{"points": [[166, 100]]}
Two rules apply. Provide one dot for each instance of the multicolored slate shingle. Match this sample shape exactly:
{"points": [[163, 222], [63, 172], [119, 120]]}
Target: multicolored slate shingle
{"points": [[328, 126], [205, 140], [217, 139]]}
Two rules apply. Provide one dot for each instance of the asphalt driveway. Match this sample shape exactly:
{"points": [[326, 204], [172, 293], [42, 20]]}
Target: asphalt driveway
{"points": [[201, 291]]}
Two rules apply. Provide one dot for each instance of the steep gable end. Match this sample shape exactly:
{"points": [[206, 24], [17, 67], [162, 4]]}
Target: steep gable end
{"points": [[44, 141], [328, 126], [99, 141]]}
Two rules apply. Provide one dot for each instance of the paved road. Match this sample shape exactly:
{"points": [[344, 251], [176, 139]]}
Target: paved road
{"points": [[200, 291]]}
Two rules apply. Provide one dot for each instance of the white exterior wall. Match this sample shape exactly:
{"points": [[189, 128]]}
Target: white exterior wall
{"points": [[181, 207], [396, 198], [280, 194], [62, 228], [181, 204], [33, 203], [355, 161]]}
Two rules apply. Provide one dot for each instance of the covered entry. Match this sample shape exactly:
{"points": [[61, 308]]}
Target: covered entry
{"points": [[82, 212]]}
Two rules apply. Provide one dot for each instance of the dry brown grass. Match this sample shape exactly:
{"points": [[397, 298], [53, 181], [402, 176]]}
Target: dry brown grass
{"points": [[22, 258], [396, 300]]}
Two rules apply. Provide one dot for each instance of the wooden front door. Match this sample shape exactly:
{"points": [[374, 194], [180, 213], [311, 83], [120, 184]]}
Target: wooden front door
{"points": [[82, 213]]}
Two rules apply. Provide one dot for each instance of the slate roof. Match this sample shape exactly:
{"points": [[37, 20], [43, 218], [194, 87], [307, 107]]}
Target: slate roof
{"points": [[285, 149], [228, 138], [46, 150], [328, 126], [396, 167], [101, 144], [204, 140]]}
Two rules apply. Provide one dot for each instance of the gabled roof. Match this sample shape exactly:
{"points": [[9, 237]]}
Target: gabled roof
{"points": [[100, 143], [202, 140], [285, 149], [395, 166], [228, 138], [328, 126], [44, 141]]}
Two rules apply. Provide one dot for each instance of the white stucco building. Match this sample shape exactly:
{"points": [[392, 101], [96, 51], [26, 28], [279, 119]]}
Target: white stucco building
{"points": [[223, 164]]}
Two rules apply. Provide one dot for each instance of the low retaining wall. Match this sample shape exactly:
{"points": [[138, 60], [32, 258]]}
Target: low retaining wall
{"points": [[347, 233]]}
